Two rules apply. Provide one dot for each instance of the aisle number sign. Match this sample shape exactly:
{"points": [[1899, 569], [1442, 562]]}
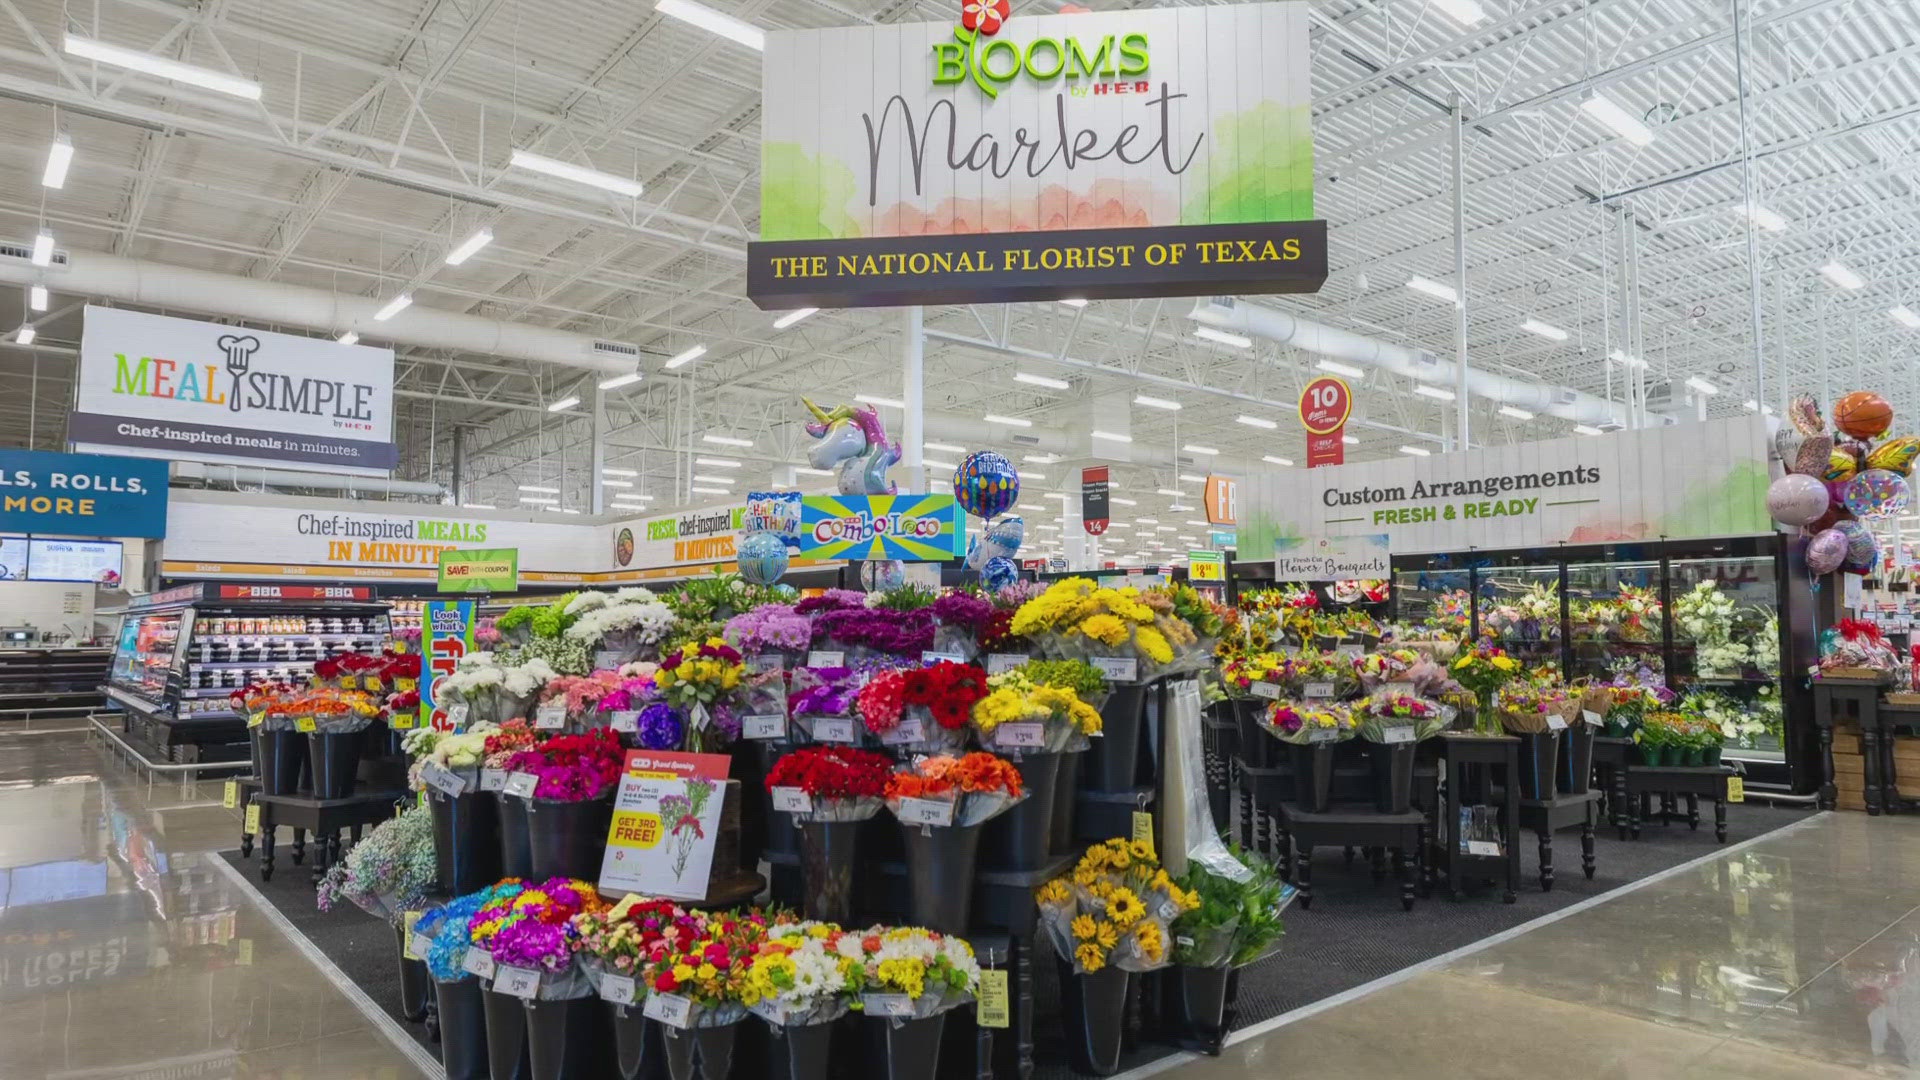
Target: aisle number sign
{"points": [[666, 822], [1325, 404], [446, 636], [481, 570]]}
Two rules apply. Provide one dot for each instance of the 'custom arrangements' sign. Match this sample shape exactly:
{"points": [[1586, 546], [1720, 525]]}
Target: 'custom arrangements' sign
{"points": [[1116, 154], [913, 528]]}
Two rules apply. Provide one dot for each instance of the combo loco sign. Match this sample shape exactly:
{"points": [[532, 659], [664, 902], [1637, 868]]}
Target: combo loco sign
{"points": [[152, 386], [1128, 153]]}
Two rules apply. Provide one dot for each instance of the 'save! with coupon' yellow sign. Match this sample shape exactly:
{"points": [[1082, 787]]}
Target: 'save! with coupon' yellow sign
{"points": [[480, 570]]}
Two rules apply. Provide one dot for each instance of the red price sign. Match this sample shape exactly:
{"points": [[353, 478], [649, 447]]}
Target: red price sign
{"points": [[1324, 405]]}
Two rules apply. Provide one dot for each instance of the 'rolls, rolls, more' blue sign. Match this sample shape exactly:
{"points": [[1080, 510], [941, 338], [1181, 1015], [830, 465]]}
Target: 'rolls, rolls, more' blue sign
{"points": [[82, 494]]}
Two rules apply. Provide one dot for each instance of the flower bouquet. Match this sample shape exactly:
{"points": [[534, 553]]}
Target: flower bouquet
{"points": [[571, 768], [620, 707], [1639, 614], [1679, 738], [1022, 713], [822, 703], [448, 928], [958, 619], [800, 978], [934, 972], [1078, 619], [452, 963], [701, 678], [1235, 922], [770, 631], [387, 872], [574, 699], [829, 790], [862, 631], [625, 626], [941, 802], [490, 690], [1376, 669], [619, 941], [459, 753], [1305, 723], [997, 636], [536, 935], [700, 981], [571, 805], [1529, 706], [1483, 670], [1389, 717], [934, 705]]}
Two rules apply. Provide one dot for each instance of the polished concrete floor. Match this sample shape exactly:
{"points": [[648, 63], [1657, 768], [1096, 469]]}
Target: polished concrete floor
{"points": [[127, 950]]}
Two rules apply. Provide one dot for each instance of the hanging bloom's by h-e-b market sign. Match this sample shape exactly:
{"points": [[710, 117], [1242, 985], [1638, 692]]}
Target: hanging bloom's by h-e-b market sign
{"points": [[1126, 153], [153, 386]]}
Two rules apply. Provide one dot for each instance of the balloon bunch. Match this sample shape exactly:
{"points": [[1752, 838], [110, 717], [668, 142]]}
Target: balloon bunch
{"points": [[1836, 480], [986, 485], [852, 441]]}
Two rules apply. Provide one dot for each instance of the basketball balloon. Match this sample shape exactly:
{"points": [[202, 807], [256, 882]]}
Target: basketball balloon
{"points": [[1863, 414]]}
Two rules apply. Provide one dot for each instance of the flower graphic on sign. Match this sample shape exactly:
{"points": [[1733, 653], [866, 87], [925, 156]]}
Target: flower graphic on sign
{"points": [[987, 17], [685, 812]]}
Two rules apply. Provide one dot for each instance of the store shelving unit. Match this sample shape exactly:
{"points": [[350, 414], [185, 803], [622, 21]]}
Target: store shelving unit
{"points": [[50, 684]]}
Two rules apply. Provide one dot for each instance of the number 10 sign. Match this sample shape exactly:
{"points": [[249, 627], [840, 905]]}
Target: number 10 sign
{"points": [[1325, 404]]}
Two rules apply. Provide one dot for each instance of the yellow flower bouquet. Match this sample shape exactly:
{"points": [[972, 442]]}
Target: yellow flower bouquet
{"points": [[1113, 909], [1020, 712], [1077, 619]]}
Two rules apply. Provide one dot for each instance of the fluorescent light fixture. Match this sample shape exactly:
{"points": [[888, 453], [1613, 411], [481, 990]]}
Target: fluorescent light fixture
{"points": [[1433, 288], [1166, 528], [1697, 383], [1272, 460], [1061, 495], [351, 337], [803, 470], [1199, 524], [1074, 302], [43, 249], [1545, 330], [478, 506], [1156, 403], [1048, 528], [709, 490], [1585, 429], [1416, 451], [568, 510], [1618, 120], [1010, 421], [564, 404], [874, 399], [726, 440], [1192, 479], [1118, 525], [1903, 314], [539, 500], [1465, 12], [37, 298], [1350, 440], [1619, 357], [161, 67], [1751, 405], [618, 505], [1338, 368], [468, 246], [25, 334], [1195, 448], [713, 479], [718, 462], [394, 307], [611, 471], [1515, 412], [579, 174], [607, 482], [1437, 393], [1110, 436], [1256, 422], [1029, 474], [618, 381], [1842, 275], [684, 357], [1047, 381], [1208, 333], [538, 490], [944, 447], [933, 463], [1040, 459], [59, 156], [1763, 217], [1172, 493], [1117, 500], [1178, 506], [717, 22], [1146, 521], [795, 316]]}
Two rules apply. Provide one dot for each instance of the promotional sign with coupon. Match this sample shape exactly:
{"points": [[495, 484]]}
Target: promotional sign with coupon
{"points": [[446, 635], [483, 570], [666, 821]]}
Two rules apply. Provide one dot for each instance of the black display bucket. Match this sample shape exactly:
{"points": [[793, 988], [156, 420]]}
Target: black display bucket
{"points": [[567, 839], [1022, 838], [413, 980], [1312, 775], [336, 760], [700, 1053], [1195, 999], [566, 1040], [1094, 1018], [636, 1043], [283, 760], [940, 868], [1257, 748], [506, 1036], [801, 1052], [913, 1046], [828, 850], [1539, 761], [1576, 759], [516, 850], [463, 1028], [1065, 785], [466, 840], [1392, 776], [1114, 759]]}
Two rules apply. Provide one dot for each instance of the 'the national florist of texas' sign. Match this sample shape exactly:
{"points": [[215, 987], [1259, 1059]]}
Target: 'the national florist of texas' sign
{"points": [[914, 528], [1160, 152]]}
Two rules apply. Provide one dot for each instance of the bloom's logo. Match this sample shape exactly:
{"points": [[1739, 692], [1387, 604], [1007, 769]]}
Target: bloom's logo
{"points": [[239, 349], [993, 63]]}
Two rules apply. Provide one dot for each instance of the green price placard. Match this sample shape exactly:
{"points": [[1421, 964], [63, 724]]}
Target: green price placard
{"points": [[480, 570]]}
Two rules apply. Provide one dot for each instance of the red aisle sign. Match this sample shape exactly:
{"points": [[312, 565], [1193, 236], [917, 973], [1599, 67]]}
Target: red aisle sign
{"points": [[1325, 404], [1093, 499]]}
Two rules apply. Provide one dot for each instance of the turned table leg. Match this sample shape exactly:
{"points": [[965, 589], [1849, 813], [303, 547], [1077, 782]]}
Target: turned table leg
{"points": [[1586, 843]]}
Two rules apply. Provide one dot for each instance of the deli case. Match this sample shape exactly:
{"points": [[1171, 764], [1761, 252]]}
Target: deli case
{"points": [[181, 652]]}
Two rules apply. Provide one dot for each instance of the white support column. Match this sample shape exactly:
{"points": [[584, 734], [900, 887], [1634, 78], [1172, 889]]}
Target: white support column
{"points": [[597, 458], [1463, 423], [913, 393]]}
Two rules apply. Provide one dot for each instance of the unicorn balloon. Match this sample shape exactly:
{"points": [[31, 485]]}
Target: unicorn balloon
{"points": [[853, 439]]}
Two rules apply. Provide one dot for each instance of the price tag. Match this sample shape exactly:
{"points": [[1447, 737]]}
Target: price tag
{"points": [[1484, 847], [517, 982], [252, 824], [1556, 723], [833, 729], [1402, 687], [1118, 668], [792, 800], [1318, 691], [230, 795], [625, 720], [1736, 789], [606, 658], [887, 1005], [926, 812], [478, 962], [767, 661], [306, 724], [618, 989], [928, 656], [1323, 734], [1002, 662], [553, 714], [493, 779], [1349, 650], [442, 779], [521, 784], [768, 726], [255, 719], [669, 1009], [1143, 827], [1396, 735], [457, 714], [417, 946], [1266, 690], [1592, 717], [995, 1008], [403, 722], [910, 729], [243, 951], [1024, 734], [826, 658]]}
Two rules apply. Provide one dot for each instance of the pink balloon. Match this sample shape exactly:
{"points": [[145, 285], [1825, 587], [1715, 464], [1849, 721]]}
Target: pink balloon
{"points": [[1796, 499], [1826, 551]]}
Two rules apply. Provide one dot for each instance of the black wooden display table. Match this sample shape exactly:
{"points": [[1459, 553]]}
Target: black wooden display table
{"points": [[249, 787], [324, 818], [1404, 835], [1894, 720], [1672, 782], [1472, 764], [1839, 701], [1612, 757], [1548, 816]]}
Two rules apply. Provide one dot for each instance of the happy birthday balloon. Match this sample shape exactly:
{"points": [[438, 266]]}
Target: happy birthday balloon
{"points": [[1001, 540], [1877, 493], [762, 557], [1804, 413], [1826, 551], [1861, 546], [1786, 447], [1796, 499], [1896, 454], [986, 484], [999, 573]]}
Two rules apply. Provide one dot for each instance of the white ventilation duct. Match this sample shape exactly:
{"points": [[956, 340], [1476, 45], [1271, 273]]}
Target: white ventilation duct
{"points": [[244, 476], [1231, 313], [179, 288]]}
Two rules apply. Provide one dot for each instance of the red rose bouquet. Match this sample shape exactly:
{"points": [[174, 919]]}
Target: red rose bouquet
{"points": [[923, 710]]}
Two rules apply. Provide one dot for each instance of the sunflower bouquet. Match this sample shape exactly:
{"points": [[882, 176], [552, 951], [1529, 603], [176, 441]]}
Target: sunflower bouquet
{"points": [[1113, 909], [933, 971], [1306, 723], [1020, 713], [1076, 618], [977, 786], [800, 977]]}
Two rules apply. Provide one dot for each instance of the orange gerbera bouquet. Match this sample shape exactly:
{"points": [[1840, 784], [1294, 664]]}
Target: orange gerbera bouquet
{"points": [[945, 790]]}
